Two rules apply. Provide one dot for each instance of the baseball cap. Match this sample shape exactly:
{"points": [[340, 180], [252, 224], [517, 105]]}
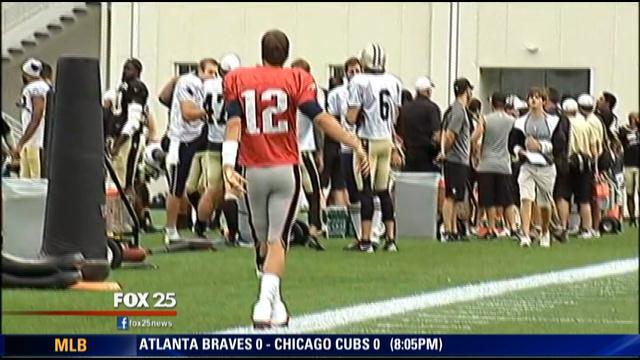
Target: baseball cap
{"points": [[229, 62], [461, 84], [569, 105], [585, 100], [424, 83], [516, 102], [32, 67]]}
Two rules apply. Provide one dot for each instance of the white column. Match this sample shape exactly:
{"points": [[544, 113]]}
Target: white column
{"points": [[120, 40], [104, 45], [454, 45], [440, 53], [135, 29]]}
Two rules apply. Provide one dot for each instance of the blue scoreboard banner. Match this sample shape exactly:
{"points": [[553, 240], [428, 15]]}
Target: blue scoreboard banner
{"points": [[320, 345]]}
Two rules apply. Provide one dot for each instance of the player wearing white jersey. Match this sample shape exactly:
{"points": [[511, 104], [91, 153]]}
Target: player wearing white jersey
{"points": [[375, 96], [33, 103], [216, 123], [186, 126], [307, 134]]}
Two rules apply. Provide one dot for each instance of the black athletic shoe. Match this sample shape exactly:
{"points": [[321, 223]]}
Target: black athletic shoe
{"points": [[460, 237], [366, 247], [199, 229], [490, 235], [314, 243], [562, 235], [390, 246], [147, 224]]}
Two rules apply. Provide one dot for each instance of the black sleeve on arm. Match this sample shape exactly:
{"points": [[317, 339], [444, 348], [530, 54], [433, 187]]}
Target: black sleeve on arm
{"points": [[310, 108], [4, 128], [233, 108], [560, 138], [516, 137]]}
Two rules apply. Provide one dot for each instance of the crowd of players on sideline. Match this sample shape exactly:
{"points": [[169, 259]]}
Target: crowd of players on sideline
{"points": [[480, 155]]}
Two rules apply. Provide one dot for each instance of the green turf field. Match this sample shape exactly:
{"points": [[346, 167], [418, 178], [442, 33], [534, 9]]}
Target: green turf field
{"points": [[215, 290], [605, 305]]}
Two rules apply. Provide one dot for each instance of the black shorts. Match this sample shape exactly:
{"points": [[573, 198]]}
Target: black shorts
{"points": [[350, 179], [332, 171], [514, 187], [494, 190], [455, 180], [576, 184], [420, 160], [177, 175], [562, 188]]}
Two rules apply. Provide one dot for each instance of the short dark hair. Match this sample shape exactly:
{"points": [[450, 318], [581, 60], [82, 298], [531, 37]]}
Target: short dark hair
{"points": [[135, 63], [475, 105], [553, 94], [47, 71], [610, 99], [203, 63], [302, 64], [334, 82], [351, 62], [275, 47], [498, 100], [537, 91], [461, 85], [406, 96]]}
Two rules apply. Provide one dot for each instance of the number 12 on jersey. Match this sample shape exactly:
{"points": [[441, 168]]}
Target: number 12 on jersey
{"points": [[268, 113]]}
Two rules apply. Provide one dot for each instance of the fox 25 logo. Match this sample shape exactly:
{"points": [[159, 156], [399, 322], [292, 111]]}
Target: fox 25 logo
{"points": [[140, 300]]}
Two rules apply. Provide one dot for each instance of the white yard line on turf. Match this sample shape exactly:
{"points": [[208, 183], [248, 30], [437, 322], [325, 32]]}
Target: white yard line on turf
{"points": [[332, 319]]}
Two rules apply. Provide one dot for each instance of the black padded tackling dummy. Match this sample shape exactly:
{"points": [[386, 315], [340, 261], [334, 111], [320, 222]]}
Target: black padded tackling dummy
{"points": [[73, 217]]}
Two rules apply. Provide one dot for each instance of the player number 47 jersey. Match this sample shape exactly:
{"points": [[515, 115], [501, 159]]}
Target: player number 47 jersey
{"points": [[379, 97], [214, 104], [269, 98]]}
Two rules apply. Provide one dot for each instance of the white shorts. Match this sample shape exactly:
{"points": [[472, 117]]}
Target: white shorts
{"points": [[536, 183]]}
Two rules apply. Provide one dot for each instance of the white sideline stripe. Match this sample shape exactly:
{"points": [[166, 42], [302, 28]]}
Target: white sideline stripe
{"points": [[331, 319]]}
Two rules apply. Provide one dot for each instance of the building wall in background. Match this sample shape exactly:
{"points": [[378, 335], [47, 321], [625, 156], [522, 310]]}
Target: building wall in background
{"points": [[602, 37], [323, 33]]}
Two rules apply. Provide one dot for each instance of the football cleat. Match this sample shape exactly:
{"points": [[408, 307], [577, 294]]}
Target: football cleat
{"points": [[545, 240], [390, 246], [279, 314], [262, 314]]}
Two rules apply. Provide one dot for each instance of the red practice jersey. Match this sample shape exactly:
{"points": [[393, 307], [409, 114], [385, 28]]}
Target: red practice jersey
{"points": [[269, 98]]}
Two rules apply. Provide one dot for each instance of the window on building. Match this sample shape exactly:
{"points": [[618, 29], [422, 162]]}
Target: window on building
{"points": [[185, 68], [568, 82], [336, 71]]}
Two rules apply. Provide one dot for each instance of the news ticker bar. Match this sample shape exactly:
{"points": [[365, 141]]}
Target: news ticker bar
{"points": [[320, 345]]}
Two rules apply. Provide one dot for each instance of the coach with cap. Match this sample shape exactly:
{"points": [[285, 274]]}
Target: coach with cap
{"points": [[419, 127]]}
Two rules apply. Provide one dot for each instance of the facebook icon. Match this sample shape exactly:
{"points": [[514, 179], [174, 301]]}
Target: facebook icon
{"points": [[123, 323]]}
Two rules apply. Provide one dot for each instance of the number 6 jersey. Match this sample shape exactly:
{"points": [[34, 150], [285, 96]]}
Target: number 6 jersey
{"points": [[269, 98], [379, 97]]}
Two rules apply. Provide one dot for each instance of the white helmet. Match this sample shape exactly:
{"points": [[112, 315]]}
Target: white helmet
{"points": [[229, 62], [373, 57]]}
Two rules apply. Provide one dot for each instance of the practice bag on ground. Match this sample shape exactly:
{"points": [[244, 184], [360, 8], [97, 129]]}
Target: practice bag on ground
{"points": [[73, 219]]}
